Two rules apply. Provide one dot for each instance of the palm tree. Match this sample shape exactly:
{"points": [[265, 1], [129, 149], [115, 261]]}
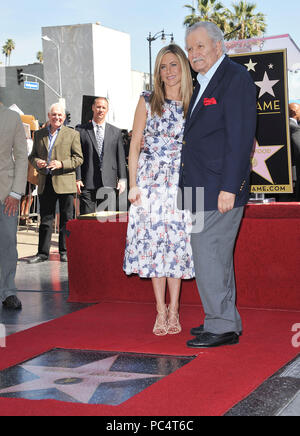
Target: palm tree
{"points": [[207, 10], [40, 56], [7, 50], [4, 52], [252, 24]]}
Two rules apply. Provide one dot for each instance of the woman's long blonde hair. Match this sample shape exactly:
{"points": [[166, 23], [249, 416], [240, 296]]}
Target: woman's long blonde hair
{"points": [[158, 96]]}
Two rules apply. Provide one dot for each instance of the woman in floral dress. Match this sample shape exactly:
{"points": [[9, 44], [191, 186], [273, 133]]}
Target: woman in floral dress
{"points": [[158, 236]]}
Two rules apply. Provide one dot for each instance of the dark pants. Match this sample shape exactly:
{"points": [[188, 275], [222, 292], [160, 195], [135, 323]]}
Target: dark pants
{"points": [[48, 202], [297, 188], [88, 201], [108, 198]]}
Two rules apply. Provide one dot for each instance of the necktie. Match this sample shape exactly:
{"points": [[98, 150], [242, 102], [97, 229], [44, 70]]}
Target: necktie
{"points": [[100, 140]]}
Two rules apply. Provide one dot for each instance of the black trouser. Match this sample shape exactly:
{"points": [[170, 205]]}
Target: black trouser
{"points": [[297, 188], [48, 202], [89, 202]]}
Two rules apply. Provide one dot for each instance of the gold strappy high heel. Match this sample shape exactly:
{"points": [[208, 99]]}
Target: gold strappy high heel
{"points": [[174, 326], [161, 323]]}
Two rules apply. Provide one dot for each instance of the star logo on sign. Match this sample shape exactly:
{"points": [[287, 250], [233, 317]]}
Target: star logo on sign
{"points": [[80, 384], [266, 86], [251, 65], [259, 161]]}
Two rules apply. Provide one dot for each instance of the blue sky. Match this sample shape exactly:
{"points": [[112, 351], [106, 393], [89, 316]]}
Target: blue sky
{"points": [[22, 21]]}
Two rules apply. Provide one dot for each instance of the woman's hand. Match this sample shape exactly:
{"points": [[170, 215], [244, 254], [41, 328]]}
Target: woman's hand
{"points": [[134, 196]]}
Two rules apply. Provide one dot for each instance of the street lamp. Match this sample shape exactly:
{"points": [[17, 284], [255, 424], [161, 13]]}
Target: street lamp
{"points": [[46, 38], [150, 39]]}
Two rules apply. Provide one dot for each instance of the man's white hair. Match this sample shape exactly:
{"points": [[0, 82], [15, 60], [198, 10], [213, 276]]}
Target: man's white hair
{"points": [[57, 105], [213, 31]]}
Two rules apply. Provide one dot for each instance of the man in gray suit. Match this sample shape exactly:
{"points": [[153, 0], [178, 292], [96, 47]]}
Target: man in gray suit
{"points": [[294, 110], [13, 177], [104, 163]]}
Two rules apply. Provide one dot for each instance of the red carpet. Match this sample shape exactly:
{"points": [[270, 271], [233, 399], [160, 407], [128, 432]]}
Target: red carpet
{"points": [[267, 261], [268, 276], [210, 385]]}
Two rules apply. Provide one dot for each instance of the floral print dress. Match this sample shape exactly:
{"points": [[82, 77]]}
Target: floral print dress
{"points": [[158, 235]]}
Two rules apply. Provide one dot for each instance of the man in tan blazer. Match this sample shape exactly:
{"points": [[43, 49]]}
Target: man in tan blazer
{"points": [[56, 154], [13, 177]]}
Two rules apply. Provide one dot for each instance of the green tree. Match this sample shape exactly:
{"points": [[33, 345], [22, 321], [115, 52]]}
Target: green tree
{"points": [[243, 14], [207, 10], [252, 24], [7, 49]]}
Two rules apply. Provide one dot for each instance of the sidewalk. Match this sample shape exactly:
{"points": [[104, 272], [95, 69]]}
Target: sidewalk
{"points": [[28, 242]]}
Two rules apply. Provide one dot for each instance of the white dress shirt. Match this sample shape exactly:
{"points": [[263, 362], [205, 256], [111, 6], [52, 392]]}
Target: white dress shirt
{"points": [[204, 79], [102, 125]]}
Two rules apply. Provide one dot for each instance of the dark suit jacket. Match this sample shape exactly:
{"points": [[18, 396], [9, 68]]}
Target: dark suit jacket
{"points": [[67, 149], [295, 142], [113, 166], [219, 138]]}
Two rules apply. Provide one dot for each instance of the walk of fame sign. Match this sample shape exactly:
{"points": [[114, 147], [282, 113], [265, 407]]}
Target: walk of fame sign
{"points": [[271, 160], [87, 377]]}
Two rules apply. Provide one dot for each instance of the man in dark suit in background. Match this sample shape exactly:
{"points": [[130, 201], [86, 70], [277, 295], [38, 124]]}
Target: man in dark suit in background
{"points": [[294, 111], [218, 141], [104, 163]]}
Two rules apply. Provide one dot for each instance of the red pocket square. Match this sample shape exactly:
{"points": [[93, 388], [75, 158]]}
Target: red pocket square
{"points": [[210, 101]]}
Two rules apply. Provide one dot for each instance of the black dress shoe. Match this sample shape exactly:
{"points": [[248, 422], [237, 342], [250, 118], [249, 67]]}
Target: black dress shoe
{"points": [[63, 258], [199, 330], [12, 302], [210, 340], [38, 259]]}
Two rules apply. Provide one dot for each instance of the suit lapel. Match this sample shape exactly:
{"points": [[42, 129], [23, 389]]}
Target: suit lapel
{"points": [[208, 91], [59, 139], [194, 96], [107, 135], [107, 132], [45, 139], [92, 136]]}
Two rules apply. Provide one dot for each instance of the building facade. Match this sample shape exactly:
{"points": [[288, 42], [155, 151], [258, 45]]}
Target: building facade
{"points": [[29, 101], [94, 61]]}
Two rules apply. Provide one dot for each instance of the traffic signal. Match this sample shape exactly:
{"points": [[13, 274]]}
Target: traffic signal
{"points": [[68, 118], [20, 76]]}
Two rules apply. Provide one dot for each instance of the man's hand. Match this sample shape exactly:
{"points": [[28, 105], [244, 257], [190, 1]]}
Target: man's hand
{"points": [[55, 165], [226, 201], [79, 185], [41, 164], [121, 186], [11, 206]]}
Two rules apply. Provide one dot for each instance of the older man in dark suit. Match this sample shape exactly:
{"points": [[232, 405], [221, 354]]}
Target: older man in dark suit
{"points": [[104, 159], [218, 141], [294, 111]]}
